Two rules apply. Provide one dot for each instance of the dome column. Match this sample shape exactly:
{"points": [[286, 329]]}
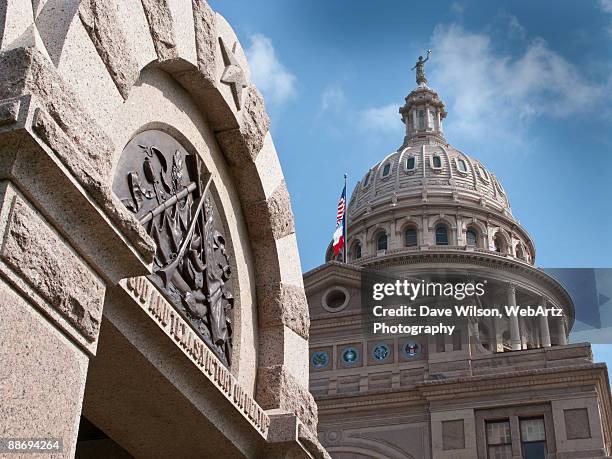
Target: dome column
{"points": [[544, 330], [561, 336], [515, 335]]}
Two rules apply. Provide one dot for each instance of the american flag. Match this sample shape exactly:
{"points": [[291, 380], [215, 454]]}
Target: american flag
{"points": [[338, 242], [341, 207]]}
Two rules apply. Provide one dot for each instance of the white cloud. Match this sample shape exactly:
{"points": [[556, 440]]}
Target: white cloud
{"points": [[500, 92], [277, 84], [332, 99], [457, 8], [384, 119], [606, 6]]}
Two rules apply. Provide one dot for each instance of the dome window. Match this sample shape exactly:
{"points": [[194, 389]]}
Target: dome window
{"points": [[461, 166], [410, 164], [386, 169], [500, 244], [471, 238], [366, 180], [411, 237], [500, 189], [484, 175], [441, 235], [381, 242], [436, 162]]}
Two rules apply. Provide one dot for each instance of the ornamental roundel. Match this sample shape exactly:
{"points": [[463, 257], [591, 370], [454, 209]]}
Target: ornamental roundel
{"points": [[350, 356], [169, 193], [319, 359], [381, 352], [412, 349]]}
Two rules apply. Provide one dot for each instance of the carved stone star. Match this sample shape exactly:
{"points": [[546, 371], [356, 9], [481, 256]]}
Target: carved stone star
{"points": [[233, 75]]}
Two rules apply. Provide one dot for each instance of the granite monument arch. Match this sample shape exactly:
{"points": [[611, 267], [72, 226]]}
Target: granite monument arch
{"points": [[80, 81]]}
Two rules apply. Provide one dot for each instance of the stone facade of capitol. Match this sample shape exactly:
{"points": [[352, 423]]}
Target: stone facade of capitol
{"points": [[502, 387], [151, 294]]}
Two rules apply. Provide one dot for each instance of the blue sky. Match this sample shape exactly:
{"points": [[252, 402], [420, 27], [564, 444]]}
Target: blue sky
{"points": [[527, 86]]}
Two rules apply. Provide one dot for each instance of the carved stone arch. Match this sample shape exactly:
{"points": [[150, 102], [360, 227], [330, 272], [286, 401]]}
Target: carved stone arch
{"points": [[481, 232], [69, 102], [504, 238], [353, 247], [450, 225]]}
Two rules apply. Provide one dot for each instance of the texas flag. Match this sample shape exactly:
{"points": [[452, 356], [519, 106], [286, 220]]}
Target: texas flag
{"points": [[340, 223]]}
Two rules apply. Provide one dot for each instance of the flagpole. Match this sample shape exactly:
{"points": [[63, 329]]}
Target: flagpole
{"points": [[345, 219]]}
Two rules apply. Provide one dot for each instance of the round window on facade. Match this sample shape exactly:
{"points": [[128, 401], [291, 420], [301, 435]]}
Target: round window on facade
{"points": [[335, 299], [350, 356], [381, 352], [412, 349], [319, 359]]}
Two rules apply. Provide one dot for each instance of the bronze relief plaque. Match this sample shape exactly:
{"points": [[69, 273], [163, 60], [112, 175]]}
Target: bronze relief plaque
{"points": [[169, 193]]}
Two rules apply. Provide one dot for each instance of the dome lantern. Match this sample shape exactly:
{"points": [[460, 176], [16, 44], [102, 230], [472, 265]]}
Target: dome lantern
{"points": [[423, 111]]}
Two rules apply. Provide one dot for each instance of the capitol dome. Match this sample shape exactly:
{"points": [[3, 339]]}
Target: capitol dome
{"points": [[429, 196]]}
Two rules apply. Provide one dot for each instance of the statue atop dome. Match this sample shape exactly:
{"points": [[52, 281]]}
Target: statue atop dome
{"points": [[420, 68]]}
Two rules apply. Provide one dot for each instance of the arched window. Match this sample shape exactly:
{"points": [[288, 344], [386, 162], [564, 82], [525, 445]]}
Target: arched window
{"points": [[410, 163], [441, 235], [381, 242], [357, 251], [519, 252], [461, 166], [500, 244], [471, 237], [436, 162], [411, 237], [386, 169]]}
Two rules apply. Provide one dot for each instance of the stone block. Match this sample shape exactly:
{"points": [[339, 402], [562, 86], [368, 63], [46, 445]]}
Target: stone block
{"points": [[283, 304], [159, 17], [268, 167], [43, 375], [277, 388], [275, 214], [104, 28], [205, 39], [243, 144], [38, 254]]}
